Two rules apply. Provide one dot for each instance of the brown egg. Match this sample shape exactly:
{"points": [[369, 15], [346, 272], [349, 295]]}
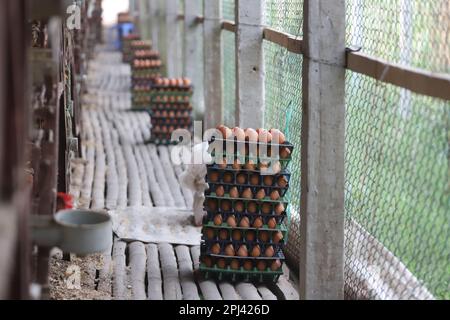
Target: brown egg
{"points": [[231, 221], [272, 223], [242, 252], [223, 164], [256, 251], [234, 264], [209, 232], [226, 205], [251, 135], [252, 207], [220, 191], [250, 235], [268, 180], [261, 194], [279, 209], [207, 261], [186, 82], [250, 165], [241, 178], [261, 265], [254, 179], [264, 236], [228, 177], [226, 132], [276, 167], [258, 223], [282, 182], [244, 223], [237, 164], [266, 208], [239, 134], [215, 248], [218, 220], [269, 252], [211, 204], [213, 176], [239, 206], [264, 136], [275, 195], [221, 263], [277, 136], [234, 193], [229, 250], [236, 235], [247, 194], [285, 153], [276, 265], [277, 237], [248, 265], [223, 234]]}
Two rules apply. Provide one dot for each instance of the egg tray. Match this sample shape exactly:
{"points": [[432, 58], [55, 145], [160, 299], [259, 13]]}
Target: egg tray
{"points": [[219, 209], [238, 143], [226, 196], [241, 188], [284, 165], [175, 121], [205, 250], [248, 172], [163, 134], [209, 218], [209, 224], [137, 70], [237, 243], [231, 275]]}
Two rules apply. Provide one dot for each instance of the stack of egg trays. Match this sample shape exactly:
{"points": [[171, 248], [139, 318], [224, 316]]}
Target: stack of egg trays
{"points": [[127, 53], [171, 100], [241, 274]]}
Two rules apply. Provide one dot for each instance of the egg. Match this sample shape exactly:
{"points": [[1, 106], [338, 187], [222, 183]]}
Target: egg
{"points": [[251, 135], [223, 164], [276, 167], [218, 220], [264, 136], [272, 223], [258, 223], [268, 180], [254, 179], [252, 207], [223, 234], [250, 235], [276, 265], [277, 136], [220, 191], [225, 131], [282, 181], [261, 194], [213, 176], [269, 252], [209, 232], [226, 205], [215, 248], [207, 261], [229, 250], [266, 208], [285, 153], [264, 236], [275, 195], [228, 177], [234, 193], [173, 82], [186, 82], [256, 251], [247, 194], [236, 235], [239, 134], [221, 263], [261, 265], [250, 165], [234, 264], [231, 221], [244, 223], [237, 164], [277, 237], [248, 265], [279, 208], [241, 178], [239, 206], [242, 251]]}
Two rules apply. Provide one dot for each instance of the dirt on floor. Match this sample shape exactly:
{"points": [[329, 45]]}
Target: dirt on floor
{"points": [[76, 278]]}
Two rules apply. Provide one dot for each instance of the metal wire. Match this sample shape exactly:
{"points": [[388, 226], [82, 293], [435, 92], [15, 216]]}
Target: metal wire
{"points": [[228, 9], [284, 15]]}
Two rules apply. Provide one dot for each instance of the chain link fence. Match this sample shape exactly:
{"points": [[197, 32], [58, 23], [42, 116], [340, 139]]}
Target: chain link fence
{"points": [[229, 66]]}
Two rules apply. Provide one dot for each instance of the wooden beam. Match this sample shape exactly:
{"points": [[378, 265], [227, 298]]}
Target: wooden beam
{"points": [[212, 47], [229, 26], [283, 39], [322, 162], [250, 90]]}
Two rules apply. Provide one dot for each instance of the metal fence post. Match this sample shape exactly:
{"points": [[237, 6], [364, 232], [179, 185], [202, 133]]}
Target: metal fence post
{"points": [[212, 46], [250, 91], [193, 53], [323, 127]]}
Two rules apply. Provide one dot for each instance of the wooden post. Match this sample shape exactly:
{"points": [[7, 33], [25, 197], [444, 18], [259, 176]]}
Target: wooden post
{"points": [[193, 53], [212, 49], [250, 91], [322, 198], [172, 45]]}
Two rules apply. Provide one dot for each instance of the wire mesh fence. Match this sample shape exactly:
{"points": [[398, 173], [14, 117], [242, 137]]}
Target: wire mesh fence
{"points": [[229, 66]]}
